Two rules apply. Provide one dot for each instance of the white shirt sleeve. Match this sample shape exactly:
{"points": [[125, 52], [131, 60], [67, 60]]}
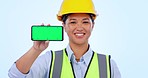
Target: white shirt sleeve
{"points": [[15, 73], [39, 69], [115, 73]]}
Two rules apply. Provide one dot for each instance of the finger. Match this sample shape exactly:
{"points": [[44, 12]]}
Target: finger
{"points": [[46, 41], [42, 24], [37, 42], [48, 24]]}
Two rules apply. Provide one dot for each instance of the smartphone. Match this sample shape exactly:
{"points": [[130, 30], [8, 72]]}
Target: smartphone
{"points": [[46, 33]]}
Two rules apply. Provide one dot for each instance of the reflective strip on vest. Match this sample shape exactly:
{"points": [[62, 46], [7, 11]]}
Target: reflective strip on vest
{"points": [[61, 66]]}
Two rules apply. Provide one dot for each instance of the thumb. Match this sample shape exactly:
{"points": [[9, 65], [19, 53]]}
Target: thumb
{"points": [[46, 43]]}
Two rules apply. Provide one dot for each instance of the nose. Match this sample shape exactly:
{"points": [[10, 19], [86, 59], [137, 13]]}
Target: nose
{"points": [[79, 27]]}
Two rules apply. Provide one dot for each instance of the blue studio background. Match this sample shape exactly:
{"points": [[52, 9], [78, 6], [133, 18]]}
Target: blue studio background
{"points": [[121, 29]]}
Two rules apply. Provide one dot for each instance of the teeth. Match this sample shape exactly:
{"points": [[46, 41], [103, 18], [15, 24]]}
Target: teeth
{"points": [[79, 34]]}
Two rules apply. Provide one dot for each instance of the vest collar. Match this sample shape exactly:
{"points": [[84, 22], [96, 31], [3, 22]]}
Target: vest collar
{"points": [[86, 57]]}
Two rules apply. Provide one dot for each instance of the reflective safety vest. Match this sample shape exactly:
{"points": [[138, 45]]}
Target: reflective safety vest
{"points": [[61, 67]]}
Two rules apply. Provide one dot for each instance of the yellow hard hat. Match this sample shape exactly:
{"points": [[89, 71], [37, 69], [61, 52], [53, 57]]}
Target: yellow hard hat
{"points": [[76, 6]]}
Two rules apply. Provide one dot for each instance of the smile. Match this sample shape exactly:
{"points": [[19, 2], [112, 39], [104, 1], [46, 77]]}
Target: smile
{"points": [[79, 34]]}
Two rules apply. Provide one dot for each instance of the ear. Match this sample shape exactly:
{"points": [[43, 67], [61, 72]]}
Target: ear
{"points": [[64, 26], [93, 25]]}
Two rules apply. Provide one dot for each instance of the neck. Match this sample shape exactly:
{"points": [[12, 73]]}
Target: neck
{"points": [[79, 50]]}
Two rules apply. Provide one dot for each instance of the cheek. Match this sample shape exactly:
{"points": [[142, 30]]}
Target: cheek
{"points": [[68, 29], [65, 29], [89, 29]]}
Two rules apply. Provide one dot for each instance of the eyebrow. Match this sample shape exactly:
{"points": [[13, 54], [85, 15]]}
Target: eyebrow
{"points": [[82, 19], [72, 19], [85, 19]]}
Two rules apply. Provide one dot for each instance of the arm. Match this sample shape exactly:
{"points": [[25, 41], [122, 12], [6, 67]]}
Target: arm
{"points": [[24, 63], [115, 73]]}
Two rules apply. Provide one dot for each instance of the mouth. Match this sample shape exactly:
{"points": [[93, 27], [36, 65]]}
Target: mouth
{"points": [[79, 35]]}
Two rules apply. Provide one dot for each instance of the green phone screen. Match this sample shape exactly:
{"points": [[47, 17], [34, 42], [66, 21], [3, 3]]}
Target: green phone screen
{"points": [[50, 33]]}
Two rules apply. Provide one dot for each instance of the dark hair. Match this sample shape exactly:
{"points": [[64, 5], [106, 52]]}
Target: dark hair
{"points": [[64, 17]]}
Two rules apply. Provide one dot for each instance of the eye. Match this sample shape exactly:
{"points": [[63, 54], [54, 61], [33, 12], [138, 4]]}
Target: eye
{"points": [[85, 22], [72, 22]]}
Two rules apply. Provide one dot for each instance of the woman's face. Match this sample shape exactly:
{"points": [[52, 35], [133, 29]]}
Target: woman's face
{"points": [[78, 28]]}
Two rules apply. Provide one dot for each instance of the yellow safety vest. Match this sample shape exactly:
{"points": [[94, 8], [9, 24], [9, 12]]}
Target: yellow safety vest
{"points": [[61, 67]]}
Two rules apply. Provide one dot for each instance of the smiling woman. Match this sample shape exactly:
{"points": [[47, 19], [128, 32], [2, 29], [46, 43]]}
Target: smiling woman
{"points": [[77, 60]]}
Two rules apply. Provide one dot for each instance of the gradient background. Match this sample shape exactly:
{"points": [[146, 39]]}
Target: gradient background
{"points": [[121, 29]]}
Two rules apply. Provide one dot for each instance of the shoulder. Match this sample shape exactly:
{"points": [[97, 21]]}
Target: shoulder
{"points": [[103, 55], [57, 52], [115, 73]]}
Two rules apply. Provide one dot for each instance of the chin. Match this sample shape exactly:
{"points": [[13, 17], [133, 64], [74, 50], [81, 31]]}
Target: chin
{"points": [[80, 42]]}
